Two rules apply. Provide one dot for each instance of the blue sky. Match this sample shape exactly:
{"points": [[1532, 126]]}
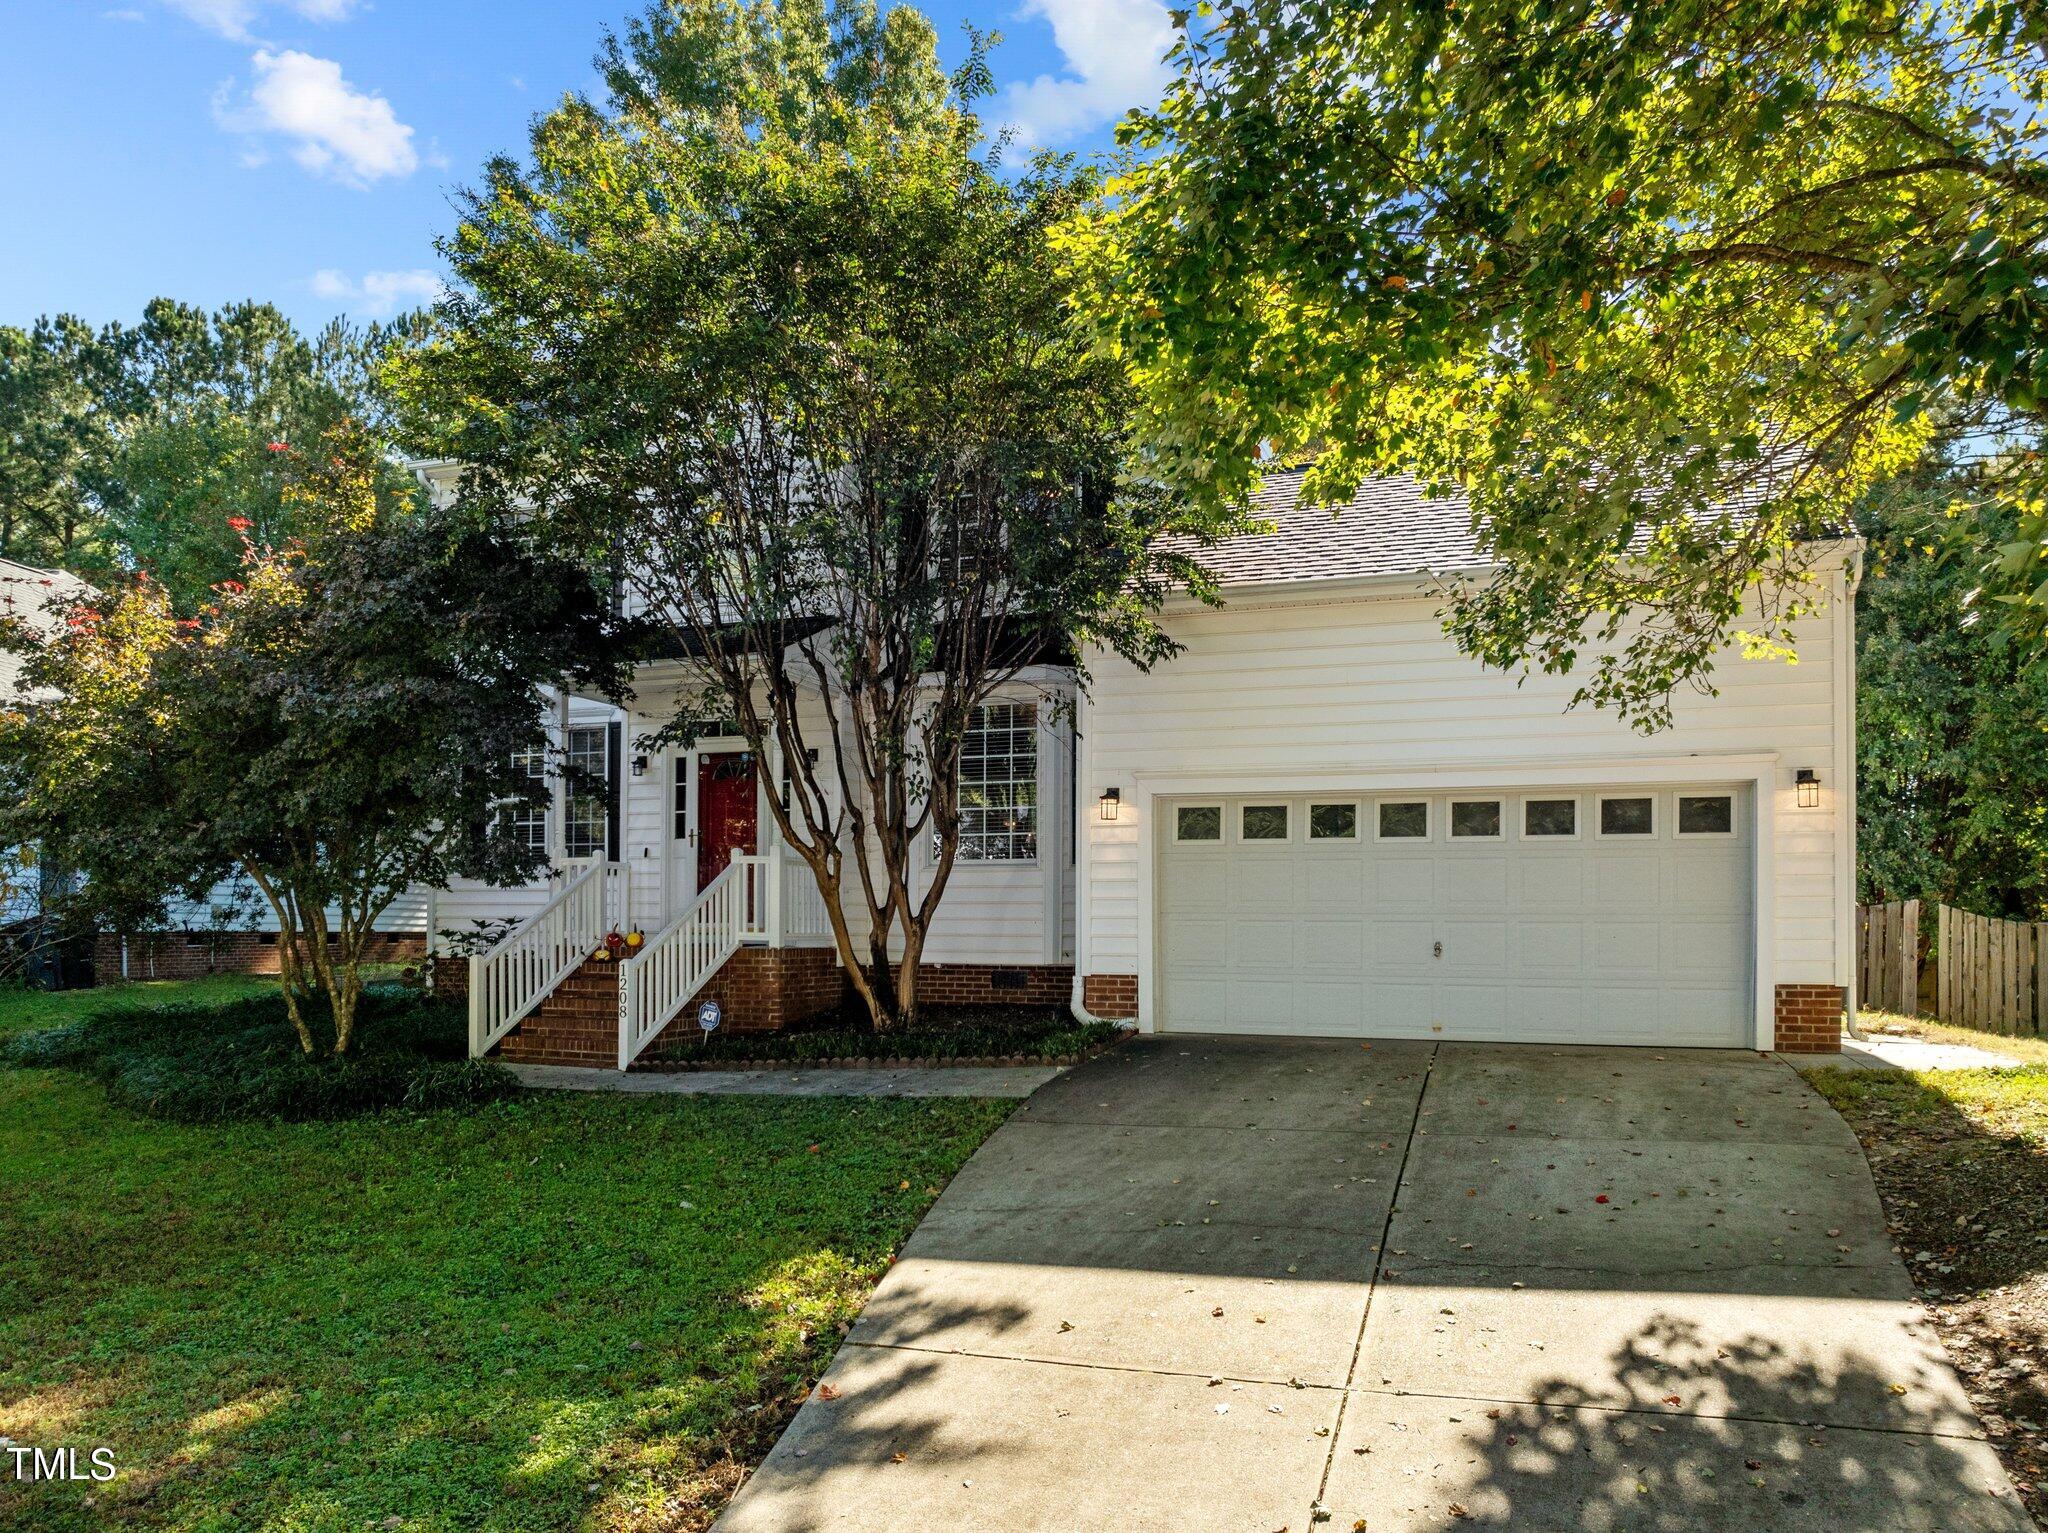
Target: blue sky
{"points": [[303, 151]]}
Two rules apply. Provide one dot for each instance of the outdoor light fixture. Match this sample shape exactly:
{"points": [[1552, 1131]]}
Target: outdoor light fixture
{"points": [[639, 766], [1111, 797], [1807, 780]]}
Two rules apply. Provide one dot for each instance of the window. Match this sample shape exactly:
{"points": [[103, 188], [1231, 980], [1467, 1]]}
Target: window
{"points": [[1333, 822], [1475, 817], [1263, 822], [588, 832], [1198, 822], [1628, 816], [1550, 817], [999, 784], [1707, 814], [1405, 821], [529, 817]]}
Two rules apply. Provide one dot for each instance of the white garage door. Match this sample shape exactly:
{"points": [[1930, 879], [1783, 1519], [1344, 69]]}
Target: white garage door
{"points": [[1611, 915]]}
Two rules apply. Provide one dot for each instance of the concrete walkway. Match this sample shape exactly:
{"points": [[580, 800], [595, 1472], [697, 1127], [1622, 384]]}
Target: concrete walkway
{"points": [[1618, 1289], [1881, 1051], [967, 1081]]}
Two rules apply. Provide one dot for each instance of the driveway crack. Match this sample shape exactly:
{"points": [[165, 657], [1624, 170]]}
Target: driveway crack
{"points": [[1372, 1287]]}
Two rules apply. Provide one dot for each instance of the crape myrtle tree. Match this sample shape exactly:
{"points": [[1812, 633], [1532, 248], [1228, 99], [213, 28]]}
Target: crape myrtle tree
{"points": [[1663, 288], [340, 723], [772, 325]]}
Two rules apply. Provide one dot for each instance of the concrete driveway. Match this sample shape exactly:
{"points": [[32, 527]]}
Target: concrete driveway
{"points": [[1206, 1284]]}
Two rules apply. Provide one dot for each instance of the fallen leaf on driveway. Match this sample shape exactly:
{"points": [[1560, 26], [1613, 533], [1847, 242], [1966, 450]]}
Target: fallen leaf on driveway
{"points": [[827, 1392]]}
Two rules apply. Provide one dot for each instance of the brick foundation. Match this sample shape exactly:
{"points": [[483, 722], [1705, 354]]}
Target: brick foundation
{"points": [[192, 955], [1110, 996], [1809, 1018], [995, 984], [761, 990]]}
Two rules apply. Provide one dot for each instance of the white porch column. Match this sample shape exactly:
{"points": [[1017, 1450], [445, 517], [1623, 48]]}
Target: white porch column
{"points": [[558, 808], [771, 846]]}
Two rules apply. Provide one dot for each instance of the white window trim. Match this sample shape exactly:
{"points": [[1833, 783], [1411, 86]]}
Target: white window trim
{"points": [[1222, 824], [1576, 833], [1678, 827], [1039, 747], [1429, 819], [1601, 833], [1308, 828], [1285, 806], [1451, 810]]}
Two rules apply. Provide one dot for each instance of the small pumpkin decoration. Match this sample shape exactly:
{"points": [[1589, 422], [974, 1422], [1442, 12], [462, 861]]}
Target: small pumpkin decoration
{"points": [[634, 939], [614, 944]]}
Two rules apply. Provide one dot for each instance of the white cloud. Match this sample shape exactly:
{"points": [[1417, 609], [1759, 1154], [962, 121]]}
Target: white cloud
{"points": [[233, 18], [334, 128], [1114, 51], [380, 294]]}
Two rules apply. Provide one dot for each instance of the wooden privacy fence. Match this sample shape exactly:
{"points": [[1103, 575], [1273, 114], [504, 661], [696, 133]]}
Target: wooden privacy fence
{"points": [[1888, 957], [1989, 974], [1986, 972]]}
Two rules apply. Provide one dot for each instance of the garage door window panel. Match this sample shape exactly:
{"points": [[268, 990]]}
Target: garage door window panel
{"points": [[1262, 822], [1402, 820], [1550, 819], [1475, 819], [1706, 814], [1196, 823], [1333, 822], [1633, 817]]}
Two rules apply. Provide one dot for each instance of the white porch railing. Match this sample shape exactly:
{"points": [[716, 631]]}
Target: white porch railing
{"points": [[804, 922], [659, 980], [533, 958]]}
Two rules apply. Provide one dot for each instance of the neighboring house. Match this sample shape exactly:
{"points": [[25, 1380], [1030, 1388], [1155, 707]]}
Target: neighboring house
{"points": [[1319, 819], [32, 594], [231, 929]]}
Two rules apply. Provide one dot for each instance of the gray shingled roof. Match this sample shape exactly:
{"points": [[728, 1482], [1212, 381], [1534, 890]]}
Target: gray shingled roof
{"points": [[1387, 528]]}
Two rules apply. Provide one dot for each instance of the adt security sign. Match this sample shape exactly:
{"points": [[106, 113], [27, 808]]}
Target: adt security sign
{"points": [[708, 1016]]}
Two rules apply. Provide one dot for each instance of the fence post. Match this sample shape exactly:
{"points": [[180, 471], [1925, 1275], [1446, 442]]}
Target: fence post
{"points": [[1909, 958], [1943, 1003]]}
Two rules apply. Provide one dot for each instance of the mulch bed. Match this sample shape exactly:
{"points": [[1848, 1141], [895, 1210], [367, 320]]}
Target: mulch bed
{"points": [[1968, 1208]]}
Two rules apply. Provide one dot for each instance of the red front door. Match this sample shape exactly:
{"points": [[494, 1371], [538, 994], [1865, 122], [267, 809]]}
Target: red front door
{"points": [[726, 811]]}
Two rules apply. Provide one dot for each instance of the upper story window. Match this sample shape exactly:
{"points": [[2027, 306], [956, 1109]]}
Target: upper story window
{"points": [[999, 784]]}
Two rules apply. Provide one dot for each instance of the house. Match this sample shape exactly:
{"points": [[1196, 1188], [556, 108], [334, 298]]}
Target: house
{"points": [[33, 595], [1319, 819], [228, 930]]}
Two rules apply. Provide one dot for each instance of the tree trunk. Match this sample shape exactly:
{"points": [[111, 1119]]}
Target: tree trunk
{"points": [[883, 1007]]}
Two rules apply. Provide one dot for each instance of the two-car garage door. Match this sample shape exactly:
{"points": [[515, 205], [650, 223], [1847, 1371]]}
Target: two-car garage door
{"points": [[1619, 915]]}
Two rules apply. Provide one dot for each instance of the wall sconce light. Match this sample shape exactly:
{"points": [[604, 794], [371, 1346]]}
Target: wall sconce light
{"points": [[1111, 798], [639, 766], [1807, 781]]}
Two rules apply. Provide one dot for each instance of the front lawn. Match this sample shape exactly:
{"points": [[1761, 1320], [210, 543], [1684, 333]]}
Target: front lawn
{"points": [[22, 1008], [1961, 1160], [557, 1311]]}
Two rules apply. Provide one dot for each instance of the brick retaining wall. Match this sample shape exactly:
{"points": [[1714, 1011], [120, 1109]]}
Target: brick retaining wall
{"points": [[1809, 1018]]}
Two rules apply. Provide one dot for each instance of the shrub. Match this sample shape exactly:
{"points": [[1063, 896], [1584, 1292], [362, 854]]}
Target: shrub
{"points": [[946, 1033], [240, 1059]]}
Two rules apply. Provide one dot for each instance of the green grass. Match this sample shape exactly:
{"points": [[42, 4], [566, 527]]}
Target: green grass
{"points": [[554, 1312], [22, 1008]]}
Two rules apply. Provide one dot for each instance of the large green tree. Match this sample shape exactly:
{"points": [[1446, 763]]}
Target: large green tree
{"points": [[128, 448], [1952, 738], [769, 325], [339, 724], [1662, 287]]}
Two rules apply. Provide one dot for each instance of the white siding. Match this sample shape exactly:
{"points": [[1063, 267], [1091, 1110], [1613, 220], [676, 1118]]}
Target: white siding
{"points": [[1284, 688]]}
